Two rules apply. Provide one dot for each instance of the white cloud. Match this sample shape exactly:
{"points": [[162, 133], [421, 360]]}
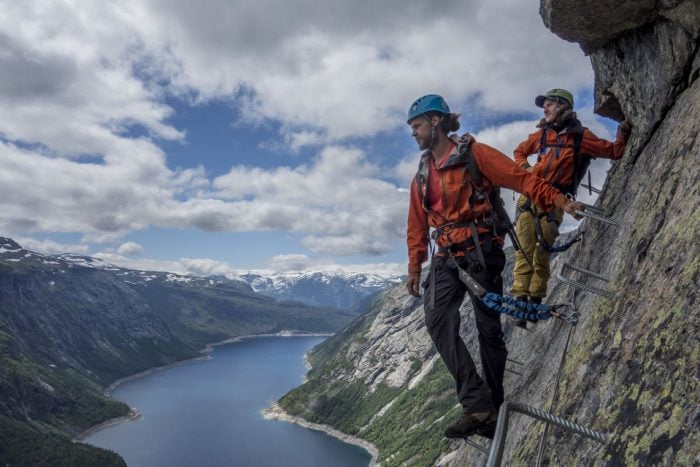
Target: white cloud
{"points": [[142, 264], [406, 169], [205, 266], [342, 245], [129, 248], [51, 247], [186, 266], [291, 262], [281, 263], [324, 71], [83, 110], [337, 198]]}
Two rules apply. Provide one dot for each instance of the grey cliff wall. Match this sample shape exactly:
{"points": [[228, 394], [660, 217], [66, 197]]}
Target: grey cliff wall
{"points": [[632, 369]]}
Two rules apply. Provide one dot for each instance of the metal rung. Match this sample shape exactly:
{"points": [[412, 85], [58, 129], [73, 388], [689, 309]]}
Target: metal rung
{"points": [[475, 445], [514, 361], [587, 288], [598, 218], [514, 372], [591, 188], [499, 439], [586, 272], [594, 209]]}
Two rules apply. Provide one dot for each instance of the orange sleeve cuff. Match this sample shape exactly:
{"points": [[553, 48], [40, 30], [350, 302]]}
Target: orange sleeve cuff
{"points": [[560, 201]]}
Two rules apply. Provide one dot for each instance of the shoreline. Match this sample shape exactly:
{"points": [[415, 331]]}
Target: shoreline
{"points": [[275, 412], [135, 415]]}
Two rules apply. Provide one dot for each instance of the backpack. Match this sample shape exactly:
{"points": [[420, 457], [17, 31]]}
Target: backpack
{"points": [[581, 163], [499, 216]]}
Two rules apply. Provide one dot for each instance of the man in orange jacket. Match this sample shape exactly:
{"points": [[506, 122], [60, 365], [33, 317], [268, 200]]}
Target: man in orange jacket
{"points": [[562, 145], [445, 197]]}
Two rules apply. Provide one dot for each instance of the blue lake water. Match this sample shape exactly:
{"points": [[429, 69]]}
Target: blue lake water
{"points": [[208, 412]]}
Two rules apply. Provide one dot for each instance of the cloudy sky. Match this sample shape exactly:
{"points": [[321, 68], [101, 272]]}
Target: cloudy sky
{"points": [[251, 134]]}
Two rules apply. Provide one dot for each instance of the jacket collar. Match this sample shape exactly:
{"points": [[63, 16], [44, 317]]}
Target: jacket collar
{"points": [[454, 158]]}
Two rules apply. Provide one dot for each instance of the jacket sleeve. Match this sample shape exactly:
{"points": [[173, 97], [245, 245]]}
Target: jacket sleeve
{"points": [[597, 147], [524, 149], [502, 171], [417, 232]]}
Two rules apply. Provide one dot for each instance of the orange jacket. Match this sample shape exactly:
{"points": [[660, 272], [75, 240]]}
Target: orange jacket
{"points": [[456, 187], [555, 161]]}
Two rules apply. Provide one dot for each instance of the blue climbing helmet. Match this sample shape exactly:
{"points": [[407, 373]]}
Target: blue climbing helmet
{"points": [[425, 104]]}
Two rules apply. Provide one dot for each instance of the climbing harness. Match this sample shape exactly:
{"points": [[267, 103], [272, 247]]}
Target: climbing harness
{"points": [[591, 212], [555, 248], [508, 305], [496, 220], [539, 233]]}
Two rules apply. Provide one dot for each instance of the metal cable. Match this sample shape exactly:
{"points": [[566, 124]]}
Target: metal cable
{"points": [[599, 218], [499, 439], [587, 288], [585, 271], [475, 445], [540, 450]]}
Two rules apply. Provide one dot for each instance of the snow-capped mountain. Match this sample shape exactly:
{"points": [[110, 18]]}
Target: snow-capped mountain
{"points": [[325, 288], [12, 252], [335, 288]]}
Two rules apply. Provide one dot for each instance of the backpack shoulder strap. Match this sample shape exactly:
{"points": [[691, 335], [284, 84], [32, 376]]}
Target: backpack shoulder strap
{"points": [[578, 136], [465, 148]]}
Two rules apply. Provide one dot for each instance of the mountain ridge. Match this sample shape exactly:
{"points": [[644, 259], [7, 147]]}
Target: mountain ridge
{"points": [[71, 325], [319, 287]]}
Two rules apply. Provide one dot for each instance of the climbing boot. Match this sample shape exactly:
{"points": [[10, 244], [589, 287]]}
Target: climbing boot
{"points": [[519, 322], [472, 423], [487, 431]]}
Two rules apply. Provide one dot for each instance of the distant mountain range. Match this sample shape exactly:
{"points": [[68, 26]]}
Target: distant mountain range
{"points": [[322, 288], [71, 325]]}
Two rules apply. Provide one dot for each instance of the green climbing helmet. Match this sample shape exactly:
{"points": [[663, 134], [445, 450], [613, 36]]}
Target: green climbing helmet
{"points": [[425, 104], [557, 95]]}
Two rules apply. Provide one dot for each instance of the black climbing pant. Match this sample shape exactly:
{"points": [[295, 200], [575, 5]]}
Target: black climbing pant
{"points": [[444, 293]]}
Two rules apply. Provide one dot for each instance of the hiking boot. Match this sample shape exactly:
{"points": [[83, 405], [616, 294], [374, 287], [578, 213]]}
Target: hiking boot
{"points": [[488, 431], [472, 423]]}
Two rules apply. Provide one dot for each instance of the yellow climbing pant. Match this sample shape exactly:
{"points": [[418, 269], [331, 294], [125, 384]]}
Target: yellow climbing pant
{"points": [[531, 279]]}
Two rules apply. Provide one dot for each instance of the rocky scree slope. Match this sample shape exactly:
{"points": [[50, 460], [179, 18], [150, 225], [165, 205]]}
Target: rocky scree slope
{"points": [[632, 369]]}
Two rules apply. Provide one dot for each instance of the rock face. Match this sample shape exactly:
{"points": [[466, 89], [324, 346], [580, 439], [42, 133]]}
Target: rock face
{"points": [[631, 368]]}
